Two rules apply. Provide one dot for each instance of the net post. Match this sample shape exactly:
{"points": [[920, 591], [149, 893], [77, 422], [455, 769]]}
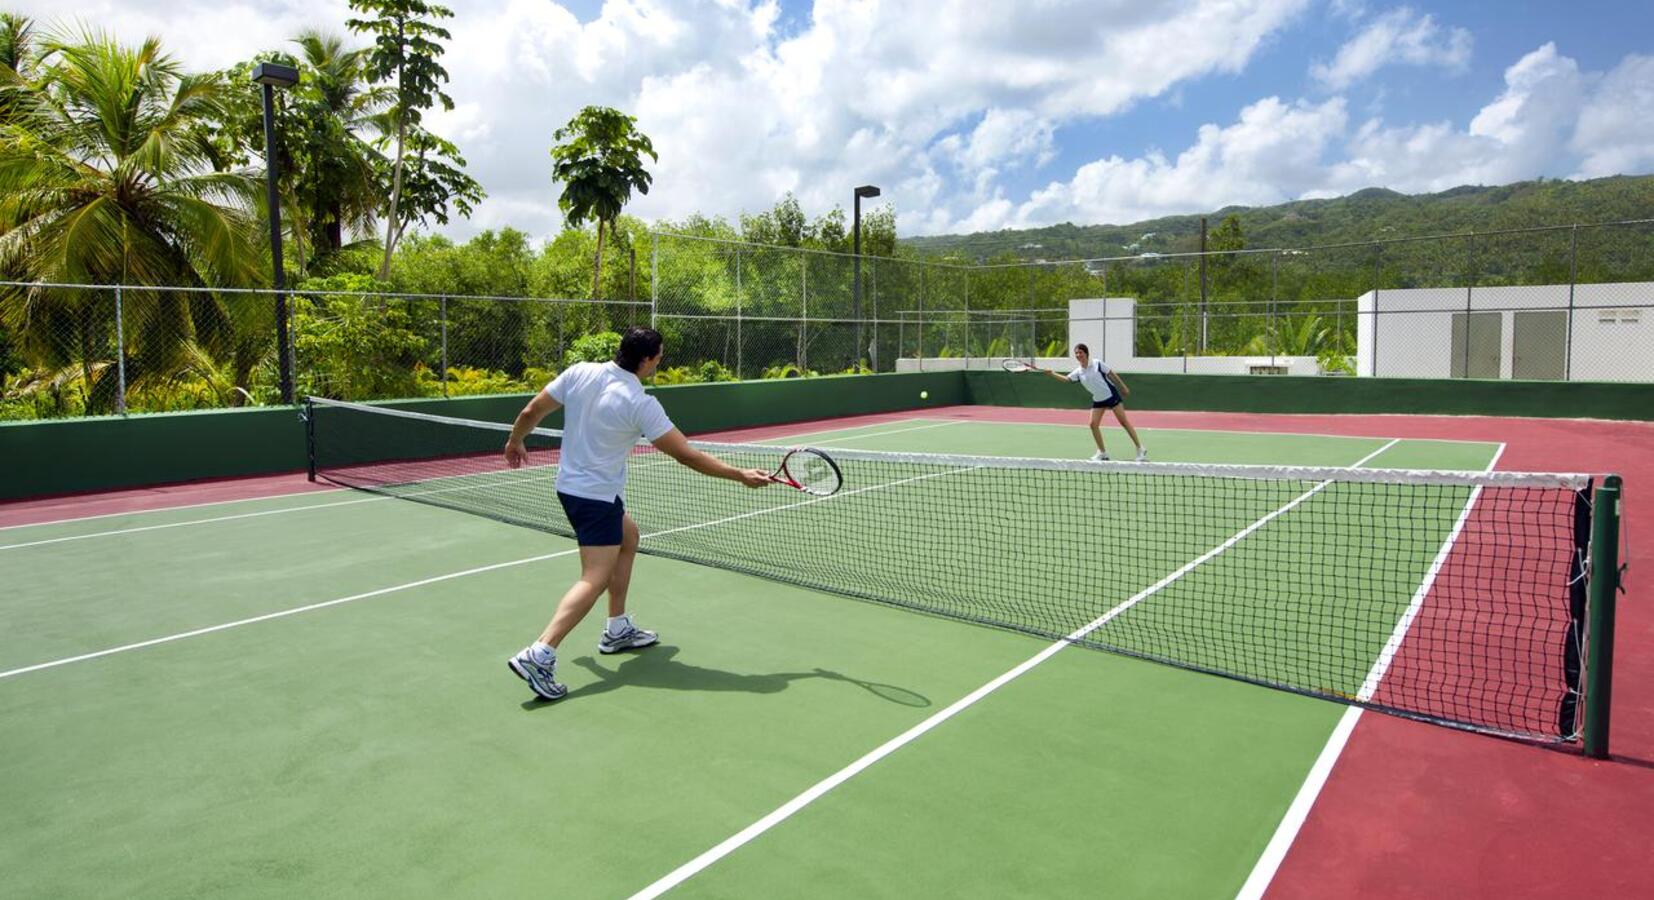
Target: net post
{"points": [[310, 436], [1604, 584]]}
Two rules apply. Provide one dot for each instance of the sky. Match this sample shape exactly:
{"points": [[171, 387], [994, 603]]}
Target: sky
{"points": [[987, 114]]}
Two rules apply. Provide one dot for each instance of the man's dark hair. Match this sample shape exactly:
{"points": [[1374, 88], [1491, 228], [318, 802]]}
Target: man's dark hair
{"points": [[1079, 347], [637, 345]]}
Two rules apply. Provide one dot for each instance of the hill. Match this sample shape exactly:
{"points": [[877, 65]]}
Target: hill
{"points": [[1365, 215]]}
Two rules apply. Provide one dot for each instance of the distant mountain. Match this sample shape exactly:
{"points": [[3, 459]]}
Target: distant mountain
{"points": [[1365, 215]]}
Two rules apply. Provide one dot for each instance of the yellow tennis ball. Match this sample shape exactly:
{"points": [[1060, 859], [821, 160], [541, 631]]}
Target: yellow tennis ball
{"points": [[924, 395]]}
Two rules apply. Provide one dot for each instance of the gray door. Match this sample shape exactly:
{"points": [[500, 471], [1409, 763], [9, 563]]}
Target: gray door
{"points": [[1481, 350], [1540, 339]]}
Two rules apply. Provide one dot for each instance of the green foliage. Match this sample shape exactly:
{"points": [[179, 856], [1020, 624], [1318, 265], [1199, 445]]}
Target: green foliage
{"points": [[599, 161], [406, 44], [600, 347], [788, 370], [356, 347]]}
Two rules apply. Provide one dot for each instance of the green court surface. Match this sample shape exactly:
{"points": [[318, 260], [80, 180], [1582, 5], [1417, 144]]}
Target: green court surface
{"points": [[373, 743]]}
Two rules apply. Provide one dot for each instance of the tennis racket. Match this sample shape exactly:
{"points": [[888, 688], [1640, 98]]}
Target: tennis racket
{"points": [[1017, 365], [809, 470]]}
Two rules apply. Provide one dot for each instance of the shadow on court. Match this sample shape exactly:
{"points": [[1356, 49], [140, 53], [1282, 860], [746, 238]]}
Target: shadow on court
{"points": [[658, 667]]}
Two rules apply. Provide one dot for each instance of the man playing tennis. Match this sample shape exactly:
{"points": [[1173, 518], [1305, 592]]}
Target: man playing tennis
{"points": [[1107, 392], [607, 413]]}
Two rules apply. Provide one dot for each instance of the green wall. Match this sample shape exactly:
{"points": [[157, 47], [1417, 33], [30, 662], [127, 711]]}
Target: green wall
{"points": [[56, 457], [1285, 394], [105, 453]]}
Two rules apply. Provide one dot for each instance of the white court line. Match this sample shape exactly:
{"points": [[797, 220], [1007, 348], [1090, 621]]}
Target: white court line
{"points": [[781, 813], [141, 512], [829, 443], [1263, 872], [1307, 434], [452, 575], [275, 512]]}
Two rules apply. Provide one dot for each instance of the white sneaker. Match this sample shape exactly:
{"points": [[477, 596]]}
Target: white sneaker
{"points": [[1099, 456], [542, 679], [1142, 454], [630, 639]]}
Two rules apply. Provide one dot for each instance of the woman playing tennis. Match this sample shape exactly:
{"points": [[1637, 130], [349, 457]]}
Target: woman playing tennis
{"points": [[1107, 392]]}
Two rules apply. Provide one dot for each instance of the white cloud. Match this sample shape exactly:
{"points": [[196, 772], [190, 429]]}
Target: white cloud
{"points": [[1550, 119], [1273, 153], [939, 98], [947, 104], [1401, 36], [1615, 132]]}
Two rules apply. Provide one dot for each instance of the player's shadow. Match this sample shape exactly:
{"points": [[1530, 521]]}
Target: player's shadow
{"points": [[658, 667]]}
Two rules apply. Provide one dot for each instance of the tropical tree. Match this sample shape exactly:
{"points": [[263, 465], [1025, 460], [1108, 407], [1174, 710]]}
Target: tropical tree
{"points": [[406, 44], [338, 180], [599, 161], [433, 179], [105, 177]]}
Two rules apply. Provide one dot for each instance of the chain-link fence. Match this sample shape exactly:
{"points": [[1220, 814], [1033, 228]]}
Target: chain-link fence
{"points": [[1564, 303]]}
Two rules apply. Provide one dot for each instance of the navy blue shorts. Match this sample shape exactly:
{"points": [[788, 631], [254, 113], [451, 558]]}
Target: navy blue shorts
{"points": [[597, 523], [1110, 403]]}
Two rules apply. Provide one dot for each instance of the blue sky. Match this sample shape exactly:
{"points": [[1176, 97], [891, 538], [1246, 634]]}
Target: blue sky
{"points": [[982, 114]]}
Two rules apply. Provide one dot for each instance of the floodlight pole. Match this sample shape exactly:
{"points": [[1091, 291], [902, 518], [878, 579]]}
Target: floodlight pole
{"points": [[271, 76], [866, 190]]}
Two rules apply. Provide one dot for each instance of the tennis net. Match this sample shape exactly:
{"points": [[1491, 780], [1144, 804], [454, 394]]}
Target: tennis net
{"points": [[1452, 597]]}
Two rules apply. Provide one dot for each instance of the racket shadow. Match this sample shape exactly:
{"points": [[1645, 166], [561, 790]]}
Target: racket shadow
{"points": [[658, 667]]}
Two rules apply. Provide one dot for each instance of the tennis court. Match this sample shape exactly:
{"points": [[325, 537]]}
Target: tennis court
{"points": [[305, 694]]}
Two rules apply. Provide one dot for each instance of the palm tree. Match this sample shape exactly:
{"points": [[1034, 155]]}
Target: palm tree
{"points": [[600, 163], [339, 185], [106, 177]]}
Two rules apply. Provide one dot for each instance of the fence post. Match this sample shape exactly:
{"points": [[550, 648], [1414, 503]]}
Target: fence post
{"points": [[1105, 317], [654, 275], [443, 316], [967, 324], [1274, 294], [922, 268], [120, 355], [1378, 255], [873, 343], [739, 348], [1573, 278], [1469, 290], [1599, 635], [803, 313]]}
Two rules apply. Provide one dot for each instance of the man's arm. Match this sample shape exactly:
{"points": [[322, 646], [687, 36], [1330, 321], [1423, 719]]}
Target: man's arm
{"points": [[675, 445], [532, 415], [1119, 383], [1057, 375]]}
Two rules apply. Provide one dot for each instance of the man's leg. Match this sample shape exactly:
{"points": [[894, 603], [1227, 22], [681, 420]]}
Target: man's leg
{"points": [[537, 663], [1097, 428], [620, 633], [597, 567], [620, 581]]}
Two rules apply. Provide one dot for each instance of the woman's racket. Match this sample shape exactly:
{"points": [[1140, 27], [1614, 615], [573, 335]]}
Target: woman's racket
{"points": [[809, 470], [1017, 365]]}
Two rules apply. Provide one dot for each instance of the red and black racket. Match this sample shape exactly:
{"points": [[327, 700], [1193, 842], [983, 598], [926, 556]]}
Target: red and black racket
{"points": [[809, 470], [1017, 365]]}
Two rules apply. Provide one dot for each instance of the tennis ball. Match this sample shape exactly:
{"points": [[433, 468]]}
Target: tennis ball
{"points": [[924, 395]]}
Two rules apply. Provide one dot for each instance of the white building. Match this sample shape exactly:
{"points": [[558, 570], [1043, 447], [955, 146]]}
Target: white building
{"points": [[1593, 332]]}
